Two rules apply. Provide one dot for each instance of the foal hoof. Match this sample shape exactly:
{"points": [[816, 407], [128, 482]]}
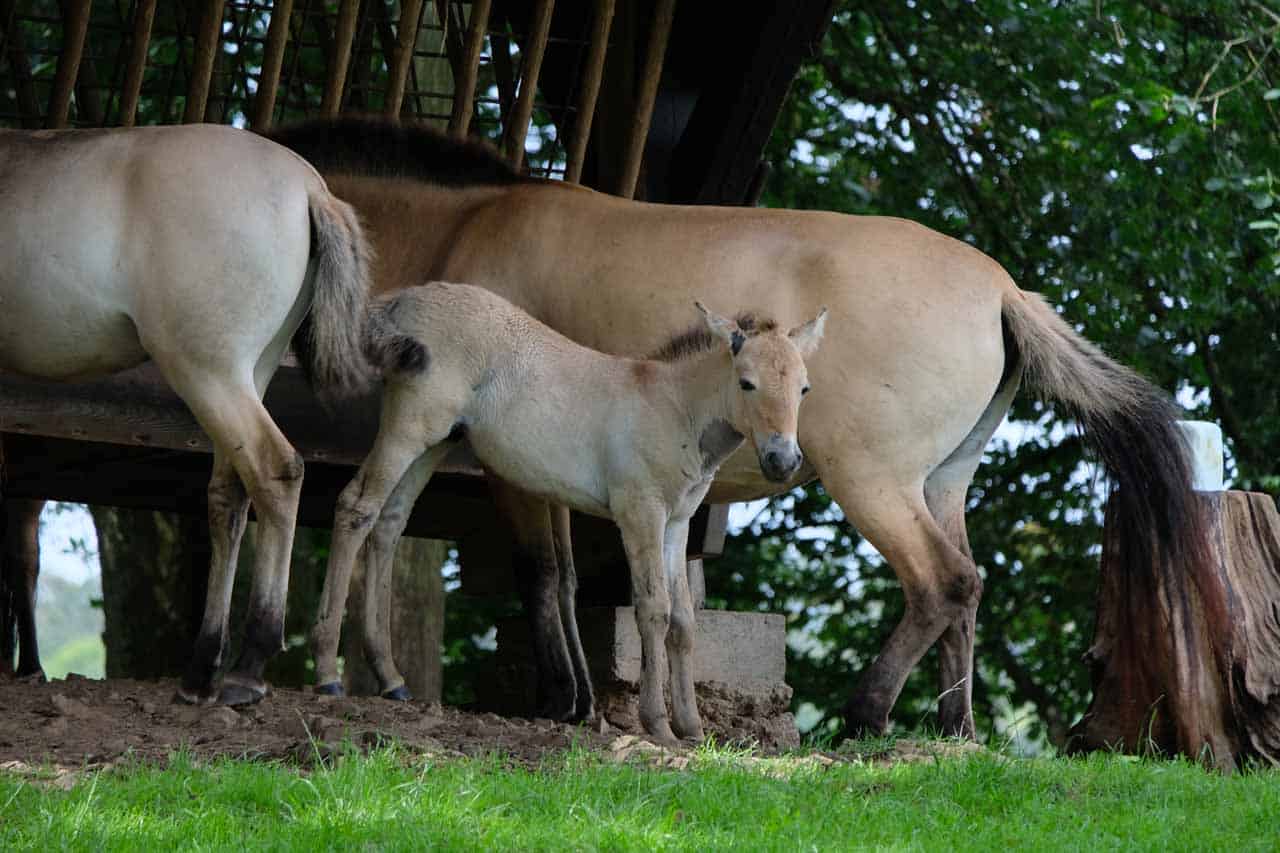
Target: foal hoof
{"points": [[398, 694], [187, 696], [333, 688], [235, 695]]}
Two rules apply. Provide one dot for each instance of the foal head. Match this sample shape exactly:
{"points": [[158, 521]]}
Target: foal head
{"points": [[769, 381]]}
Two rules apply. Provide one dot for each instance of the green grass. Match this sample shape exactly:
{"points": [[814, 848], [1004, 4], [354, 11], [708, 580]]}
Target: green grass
{"points": [[391, 801]]}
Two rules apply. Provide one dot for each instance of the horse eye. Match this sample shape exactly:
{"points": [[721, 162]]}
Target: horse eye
{"points": [[747, 385], [804, 390]]}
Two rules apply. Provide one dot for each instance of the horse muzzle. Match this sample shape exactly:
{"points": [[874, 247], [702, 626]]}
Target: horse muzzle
{"points": [[780, 458]]}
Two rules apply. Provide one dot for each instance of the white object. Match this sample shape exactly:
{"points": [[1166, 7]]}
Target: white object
{"points": [[1205, 442]]}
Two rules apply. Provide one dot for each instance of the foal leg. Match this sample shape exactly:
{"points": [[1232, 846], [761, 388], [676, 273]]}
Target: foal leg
{"points": [[643, 525], [584, 702], [939, 583], [379, 554], [537, 576], [680, 637]]}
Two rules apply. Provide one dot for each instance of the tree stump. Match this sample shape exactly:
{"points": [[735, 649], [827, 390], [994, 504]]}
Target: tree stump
{"points": [[1192, 665]]}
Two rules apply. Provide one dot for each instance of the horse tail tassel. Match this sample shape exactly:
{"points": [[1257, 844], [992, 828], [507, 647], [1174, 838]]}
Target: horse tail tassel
{"points": [[1130, 425], [332, 339]]}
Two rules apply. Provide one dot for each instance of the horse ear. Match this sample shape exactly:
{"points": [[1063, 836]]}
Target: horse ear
{"points": [[807, 337], [723, 328]]}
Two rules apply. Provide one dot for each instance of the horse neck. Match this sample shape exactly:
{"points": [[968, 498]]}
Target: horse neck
{"points": [[412, 223], [703, 385]]}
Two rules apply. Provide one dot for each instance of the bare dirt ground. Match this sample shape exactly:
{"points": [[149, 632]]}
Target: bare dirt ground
{"points": [[86, 722], [81, 724]]}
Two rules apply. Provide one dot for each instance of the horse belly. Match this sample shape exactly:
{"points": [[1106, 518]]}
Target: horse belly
{"points": [[565, 478]]}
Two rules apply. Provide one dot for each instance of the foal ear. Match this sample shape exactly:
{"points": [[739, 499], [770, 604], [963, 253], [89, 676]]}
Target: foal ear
{"points": [[807, 337], [724, 329]]}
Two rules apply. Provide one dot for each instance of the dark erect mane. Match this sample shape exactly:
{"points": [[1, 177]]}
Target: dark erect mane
{"points": [[368, 145], [699, 338]]}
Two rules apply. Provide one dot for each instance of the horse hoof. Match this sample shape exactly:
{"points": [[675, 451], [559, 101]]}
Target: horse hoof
{"points": [[236, 695], [333, 688], [185, 696], [398, 694]]}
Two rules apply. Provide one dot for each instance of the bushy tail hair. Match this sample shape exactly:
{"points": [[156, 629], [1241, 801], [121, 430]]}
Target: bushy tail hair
{"points": [[1130, 425], [331, 341], [386, 346]]}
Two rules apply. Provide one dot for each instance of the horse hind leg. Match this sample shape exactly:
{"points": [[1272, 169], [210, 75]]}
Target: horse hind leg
{"points": [[945, 492], [584, 701], [20, 555], [939, 583]]}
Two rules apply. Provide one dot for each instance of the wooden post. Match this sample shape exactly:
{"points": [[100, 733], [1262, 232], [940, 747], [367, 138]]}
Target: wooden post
{"points": [[535, 47], [202, 64], [464, 91], [75, 25], [643, 112], [1175, 672], [588, 90], [338, 62], [406, 38], [264, 102]]}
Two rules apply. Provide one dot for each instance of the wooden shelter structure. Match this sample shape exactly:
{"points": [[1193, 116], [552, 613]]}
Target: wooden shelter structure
{"points": [[656, 99]]}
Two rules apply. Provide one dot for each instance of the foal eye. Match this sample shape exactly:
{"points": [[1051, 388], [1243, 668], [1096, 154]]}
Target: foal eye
{"points": [[804, 390], [747, 385]]}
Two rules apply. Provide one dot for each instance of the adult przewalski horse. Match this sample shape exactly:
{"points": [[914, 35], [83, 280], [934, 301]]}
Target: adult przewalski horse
{"points": [[636, 441], [202, 248], [934, 340]]}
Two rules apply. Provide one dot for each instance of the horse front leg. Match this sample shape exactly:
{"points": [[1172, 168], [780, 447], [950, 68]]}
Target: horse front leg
{"points": [[643, 525], [683, 631], [538, 578]]}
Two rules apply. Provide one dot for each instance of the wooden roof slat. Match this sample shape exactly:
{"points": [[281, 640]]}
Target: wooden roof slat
{"points": [[464, 90], [202, 65], [589, 90], [406, 37], [264, 102], [75, 25], [535, 48], [656, 52], [131, 91], [341, 59]]}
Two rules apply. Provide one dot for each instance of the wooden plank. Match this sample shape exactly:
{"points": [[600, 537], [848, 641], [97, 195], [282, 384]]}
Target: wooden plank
{"points": [[136, 407], [143, 16], [202, 64], [589, 90], [406, 38], [535, 48], [75, 26], [655, 54], [341, 58], [264, 101], [464, 91]]}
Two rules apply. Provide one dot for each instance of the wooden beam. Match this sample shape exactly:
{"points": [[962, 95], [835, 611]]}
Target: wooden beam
{"points": [[202, 64], [535, 48], [75, 25], [341, 58], [643, 113], [464, 90], [588, 90], [264, 101], [406, 38]]}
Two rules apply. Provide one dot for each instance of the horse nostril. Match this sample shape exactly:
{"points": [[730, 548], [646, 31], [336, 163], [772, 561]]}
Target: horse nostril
{"points": [[771, 458]]}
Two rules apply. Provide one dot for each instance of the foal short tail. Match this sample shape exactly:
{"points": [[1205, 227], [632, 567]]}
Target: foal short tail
{"points": [[1129, 424], [330, 343]]}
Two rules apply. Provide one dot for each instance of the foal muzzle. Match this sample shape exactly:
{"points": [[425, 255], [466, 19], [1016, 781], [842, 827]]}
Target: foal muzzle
{"points": [[780, 458]]}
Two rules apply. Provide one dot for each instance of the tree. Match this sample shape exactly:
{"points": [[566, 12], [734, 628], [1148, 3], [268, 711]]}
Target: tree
{"points": [[1111, 156]]}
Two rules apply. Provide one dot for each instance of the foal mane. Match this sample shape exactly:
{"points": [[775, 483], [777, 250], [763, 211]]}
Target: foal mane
{"points": [[699, 339], [378, 147]]}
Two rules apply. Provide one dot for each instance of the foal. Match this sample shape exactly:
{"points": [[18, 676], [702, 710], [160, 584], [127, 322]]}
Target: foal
{"points": [[635, 441]]}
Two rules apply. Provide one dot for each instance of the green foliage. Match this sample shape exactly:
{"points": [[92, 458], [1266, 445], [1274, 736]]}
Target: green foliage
{"points": [[1119, 158], [579, 801]]}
